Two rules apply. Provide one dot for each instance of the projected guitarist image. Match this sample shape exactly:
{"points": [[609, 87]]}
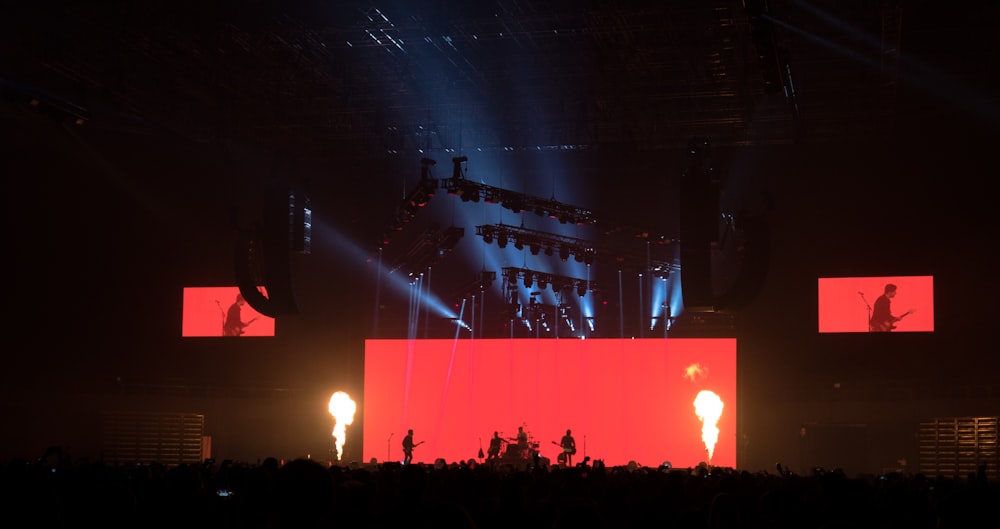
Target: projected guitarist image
{"points": [[233, 324], [882, 319]]}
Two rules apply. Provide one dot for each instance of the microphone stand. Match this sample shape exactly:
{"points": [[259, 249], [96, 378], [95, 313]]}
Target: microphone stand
{"points": [[388, 448], [868, 321], [223, 311]]}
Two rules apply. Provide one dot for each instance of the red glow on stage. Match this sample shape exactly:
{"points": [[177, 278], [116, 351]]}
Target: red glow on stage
{"points": [[625, 400]]}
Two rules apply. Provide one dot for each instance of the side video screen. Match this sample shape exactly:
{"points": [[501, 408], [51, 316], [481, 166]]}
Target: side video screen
{"points": [[221, 311], [876, 304]]}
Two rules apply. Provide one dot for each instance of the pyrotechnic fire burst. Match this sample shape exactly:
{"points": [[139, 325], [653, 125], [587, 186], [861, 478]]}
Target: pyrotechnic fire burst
{"points": [[342, 408], [708, 406]]}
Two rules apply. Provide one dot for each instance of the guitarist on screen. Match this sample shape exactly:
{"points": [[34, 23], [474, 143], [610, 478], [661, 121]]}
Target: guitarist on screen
{"points": [[882, 319], [234, 324]]}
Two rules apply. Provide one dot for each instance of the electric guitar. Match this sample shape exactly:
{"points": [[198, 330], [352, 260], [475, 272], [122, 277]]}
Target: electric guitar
{"points": [[886, 326], [566, 449], [238, 329], [414, 446]]}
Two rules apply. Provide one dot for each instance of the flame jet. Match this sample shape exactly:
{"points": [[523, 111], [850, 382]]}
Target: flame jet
{"points": [[342, 408], [708, 406]]}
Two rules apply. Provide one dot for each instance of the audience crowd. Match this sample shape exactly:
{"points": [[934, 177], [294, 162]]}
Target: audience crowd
{"points": [[305, 493]]}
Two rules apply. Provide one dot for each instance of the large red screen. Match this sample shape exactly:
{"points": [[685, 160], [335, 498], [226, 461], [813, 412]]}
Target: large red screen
{"points": [[624, 399]]}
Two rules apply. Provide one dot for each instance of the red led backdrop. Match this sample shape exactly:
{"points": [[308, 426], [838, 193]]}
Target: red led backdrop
{"points": [[204, 312], [843, 302], [625, 400]]}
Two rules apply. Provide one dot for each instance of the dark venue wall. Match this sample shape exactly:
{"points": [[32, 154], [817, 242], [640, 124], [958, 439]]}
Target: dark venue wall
{"points": [[132, 169]]}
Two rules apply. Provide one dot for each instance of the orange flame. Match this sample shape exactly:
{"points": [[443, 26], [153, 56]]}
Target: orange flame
{"points": [[342, 408], [695, 371], [708, 408]]}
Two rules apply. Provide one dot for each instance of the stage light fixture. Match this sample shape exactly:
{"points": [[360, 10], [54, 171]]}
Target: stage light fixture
{"points": [[527, 280], [581, 289], [564, 253], [456, 172], [518, 244], [502, 240], [535, 248], [488, 237]]}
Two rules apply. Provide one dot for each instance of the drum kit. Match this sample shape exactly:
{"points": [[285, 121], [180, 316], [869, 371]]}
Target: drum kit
{"points": [[521, 454]]}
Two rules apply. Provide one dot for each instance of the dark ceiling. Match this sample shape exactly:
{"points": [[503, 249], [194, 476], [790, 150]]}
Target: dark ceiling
{"points": [[442, 75]]}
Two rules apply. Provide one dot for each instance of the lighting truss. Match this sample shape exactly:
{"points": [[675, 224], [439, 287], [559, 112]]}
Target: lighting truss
{"points": [[428, 249], [517, 202], [536, 241], [537, 315], [468, 190], [530, 278], [582, 250], [417, 198], [483, 282]]}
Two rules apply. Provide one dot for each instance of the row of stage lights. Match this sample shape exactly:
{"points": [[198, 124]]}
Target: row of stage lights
{"points": [[470, 191], [539, 314], [536, 242], [529, 278]]}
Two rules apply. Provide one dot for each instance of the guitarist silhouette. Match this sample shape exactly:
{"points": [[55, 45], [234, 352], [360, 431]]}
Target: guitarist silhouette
{"points": [[233, 324], [408, 447], [882, 319], [568, 445]]}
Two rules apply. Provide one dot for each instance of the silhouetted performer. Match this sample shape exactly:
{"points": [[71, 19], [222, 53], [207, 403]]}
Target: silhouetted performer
{"points": [[234, 323], [882, 319], [521, 442], [408, 447], [496, 443], [568, 445]]}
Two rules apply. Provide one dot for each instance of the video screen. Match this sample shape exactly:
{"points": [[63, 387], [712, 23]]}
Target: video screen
{"points": [[651, 401], [876, 304], [221, 311]]}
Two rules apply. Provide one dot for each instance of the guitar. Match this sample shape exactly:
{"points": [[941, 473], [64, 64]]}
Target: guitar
{"points": [[238, 329], [886, 326], [566, 450]]}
